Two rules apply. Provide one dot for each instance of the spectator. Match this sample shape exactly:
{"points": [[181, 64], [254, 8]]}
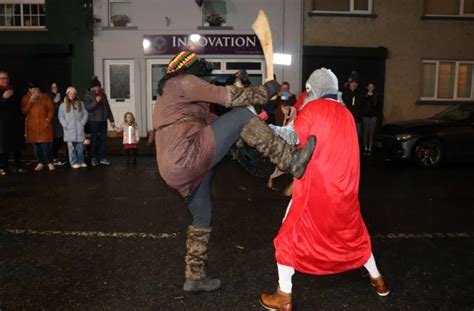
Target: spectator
{"points": [[283, 99], [39, 112], [131, 137], [353, 99], [58, 135], [96, 103], [12, 126], [73, 118], [369, 112]]}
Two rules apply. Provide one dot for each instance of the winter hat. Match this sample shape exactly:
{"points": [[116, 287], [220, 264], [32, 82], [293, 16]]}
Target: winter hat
{"points": [[182, 60], [33, 85], [321, 82], [71, 89], [354, 77], [95, 82]]}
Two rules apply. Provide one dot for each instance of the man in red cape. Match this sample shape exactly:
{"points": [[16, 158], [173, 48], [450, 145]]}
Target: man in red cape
{"points": [[323, 231]]}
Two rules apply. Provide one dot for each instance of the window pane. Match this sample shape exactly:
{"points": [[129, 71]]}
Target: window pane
{"points": [[446, 80], [361, 5], [442, 7], [120, 8], [2, 20], [465, 80], [468, 7], [17, 21], [256, 79], [35, 20], [17, 9], [34, 9], [2, 9], [26, 9], [27, 21], [246, 66], [158, 71], [42, 20], [332, 5], [429, 79], [119, 81]]}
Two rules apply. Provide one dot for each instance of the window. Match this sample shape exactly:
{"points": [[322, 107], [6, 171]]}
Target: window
{"points": [[119, 12], [447, 80], [22, 14], [449, 7], [343, 6], [214, 12]]}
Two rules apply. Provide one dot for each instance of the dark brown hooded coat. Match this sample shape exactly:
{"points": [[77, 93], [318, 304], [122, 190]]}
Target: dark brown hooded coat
{"points": [[185, 145]]}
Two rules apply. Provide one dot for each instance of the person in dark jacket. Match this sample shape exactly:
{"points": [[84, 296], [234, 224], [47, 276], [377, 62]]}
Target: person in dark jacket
{"points": [[96, 103], [58, 135], [369, 118], [11, 126], [353, 98]]}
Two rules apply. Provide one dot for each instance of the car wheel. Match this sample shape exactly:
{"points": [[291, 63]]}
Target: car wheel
{"points": [[428, 153]]}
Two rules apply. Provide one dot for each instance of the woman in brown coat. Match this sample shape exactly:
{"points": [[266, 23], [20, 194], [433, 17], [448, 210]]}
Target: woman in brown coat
{"points": [[39, 111]]}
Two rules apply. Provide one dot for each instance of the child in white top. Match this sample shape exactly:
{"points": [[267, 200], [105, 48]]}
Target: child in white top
{"points": [[131, 137]]}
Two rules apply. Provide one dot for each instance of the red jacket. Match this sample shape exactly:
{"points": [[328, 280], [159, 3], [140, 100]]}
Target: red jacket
{"points": [[324, 232]]}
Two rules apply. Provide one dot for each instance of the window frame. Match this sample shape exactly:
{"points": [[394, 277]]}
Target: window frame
{"points": [[351, 9], [461, 13], [22, 26], [455, 97]]}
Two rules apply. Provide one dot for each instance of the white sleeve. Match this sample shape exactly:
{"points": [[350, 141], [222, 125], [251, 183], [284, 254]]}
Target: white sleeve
{"points": [[288, 133]]}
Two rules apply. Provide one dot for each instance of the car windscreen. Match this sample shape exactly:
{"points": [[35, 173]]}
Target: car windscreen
{"points": [[455, 113]]}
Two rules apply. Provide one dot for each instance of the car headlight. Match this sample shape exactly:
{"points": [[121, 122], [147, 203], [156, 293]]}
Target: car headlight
{"points": [[404, 137]]}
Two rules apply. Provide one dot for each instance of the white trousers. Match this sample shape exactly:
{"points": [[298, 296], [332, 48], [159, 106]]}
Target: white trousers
{"points": [[285, 274]]}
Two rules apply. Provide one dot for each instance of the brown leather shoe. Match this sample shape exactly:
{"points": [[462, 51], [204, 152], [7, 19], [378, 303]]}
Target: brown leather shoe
{"points": [[278, 301], [380, 286]]}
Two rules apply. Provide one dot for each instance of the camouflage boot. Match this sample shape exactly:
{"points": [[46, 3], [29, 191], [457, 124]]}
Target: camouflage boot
{"points": [[257, 134], [196, 259]]}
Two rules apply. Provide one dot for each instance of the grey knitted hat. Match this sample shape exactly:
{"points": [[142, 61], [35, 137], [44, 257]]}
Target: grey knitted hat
{"points": [[321, 82]]}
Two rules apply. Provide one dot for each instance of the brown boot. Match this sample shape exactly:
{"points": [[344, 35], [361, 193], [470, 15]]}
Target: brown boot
{"points": [[380, 286], [196, 259], [257, 134], [278, 301]]}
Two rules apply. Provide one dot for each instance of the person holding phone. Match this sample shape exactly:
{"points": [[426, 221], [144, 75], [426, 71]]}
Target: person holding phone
{"points": [[11, 126]]}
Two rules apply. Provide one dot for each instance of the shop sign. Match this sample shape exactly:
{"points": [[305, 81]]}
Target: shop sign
{"points": [[244, 44]]}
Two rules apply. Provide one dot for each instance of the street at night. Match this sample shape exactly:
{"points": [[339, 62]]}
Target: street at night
{"points": [[209, 155], [112, 238]]}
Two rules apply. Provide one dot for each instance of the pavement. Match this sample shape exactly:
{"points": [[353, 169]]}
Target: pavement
{"points": [[112, 238]]}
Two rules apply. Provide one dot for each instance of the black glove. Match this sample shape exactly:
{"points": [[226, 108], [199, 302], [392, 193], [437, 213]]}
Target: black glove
{"points": [[273, 87]]}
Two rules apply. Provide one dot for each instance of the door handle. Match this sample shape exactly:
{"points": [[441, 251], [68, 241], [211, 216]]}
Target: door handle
{"points": [[119, 99]]}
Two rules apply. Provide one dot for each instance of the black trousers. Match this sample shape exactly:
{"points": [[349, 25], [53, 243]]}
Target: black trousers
{"points": [[58, 142], [226, 130], [4, 160], [131, 153]]}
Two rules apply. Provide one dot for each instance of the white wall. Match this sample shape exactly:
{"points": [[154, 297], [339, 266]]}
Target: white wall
{"points": [[150, 17]]}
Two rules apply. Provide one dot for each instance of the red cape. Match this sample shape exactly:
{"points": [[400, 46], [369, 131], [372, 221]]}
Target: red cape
{"points": [[324, 232]]}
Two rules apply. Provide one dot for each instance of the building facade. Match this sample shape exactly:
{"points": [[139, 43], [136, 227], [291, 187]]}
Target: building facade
{"points": [[135, 39], [419, 53], [47, 41]]}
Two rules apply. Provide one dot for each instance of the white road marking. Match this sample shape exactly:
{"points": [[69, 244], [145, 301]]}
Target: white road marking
{"points": [[157, 236], [94, 234], [436, 235]]}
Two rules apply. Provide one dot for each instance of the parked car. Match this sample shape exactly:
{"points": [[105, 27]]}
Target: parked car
{"points": [[448, 135]]}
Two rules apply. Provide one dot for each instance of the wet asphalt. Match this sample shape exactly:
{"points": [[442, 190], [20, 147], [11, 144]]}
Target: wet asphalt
{"points": [[69, 240]]}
